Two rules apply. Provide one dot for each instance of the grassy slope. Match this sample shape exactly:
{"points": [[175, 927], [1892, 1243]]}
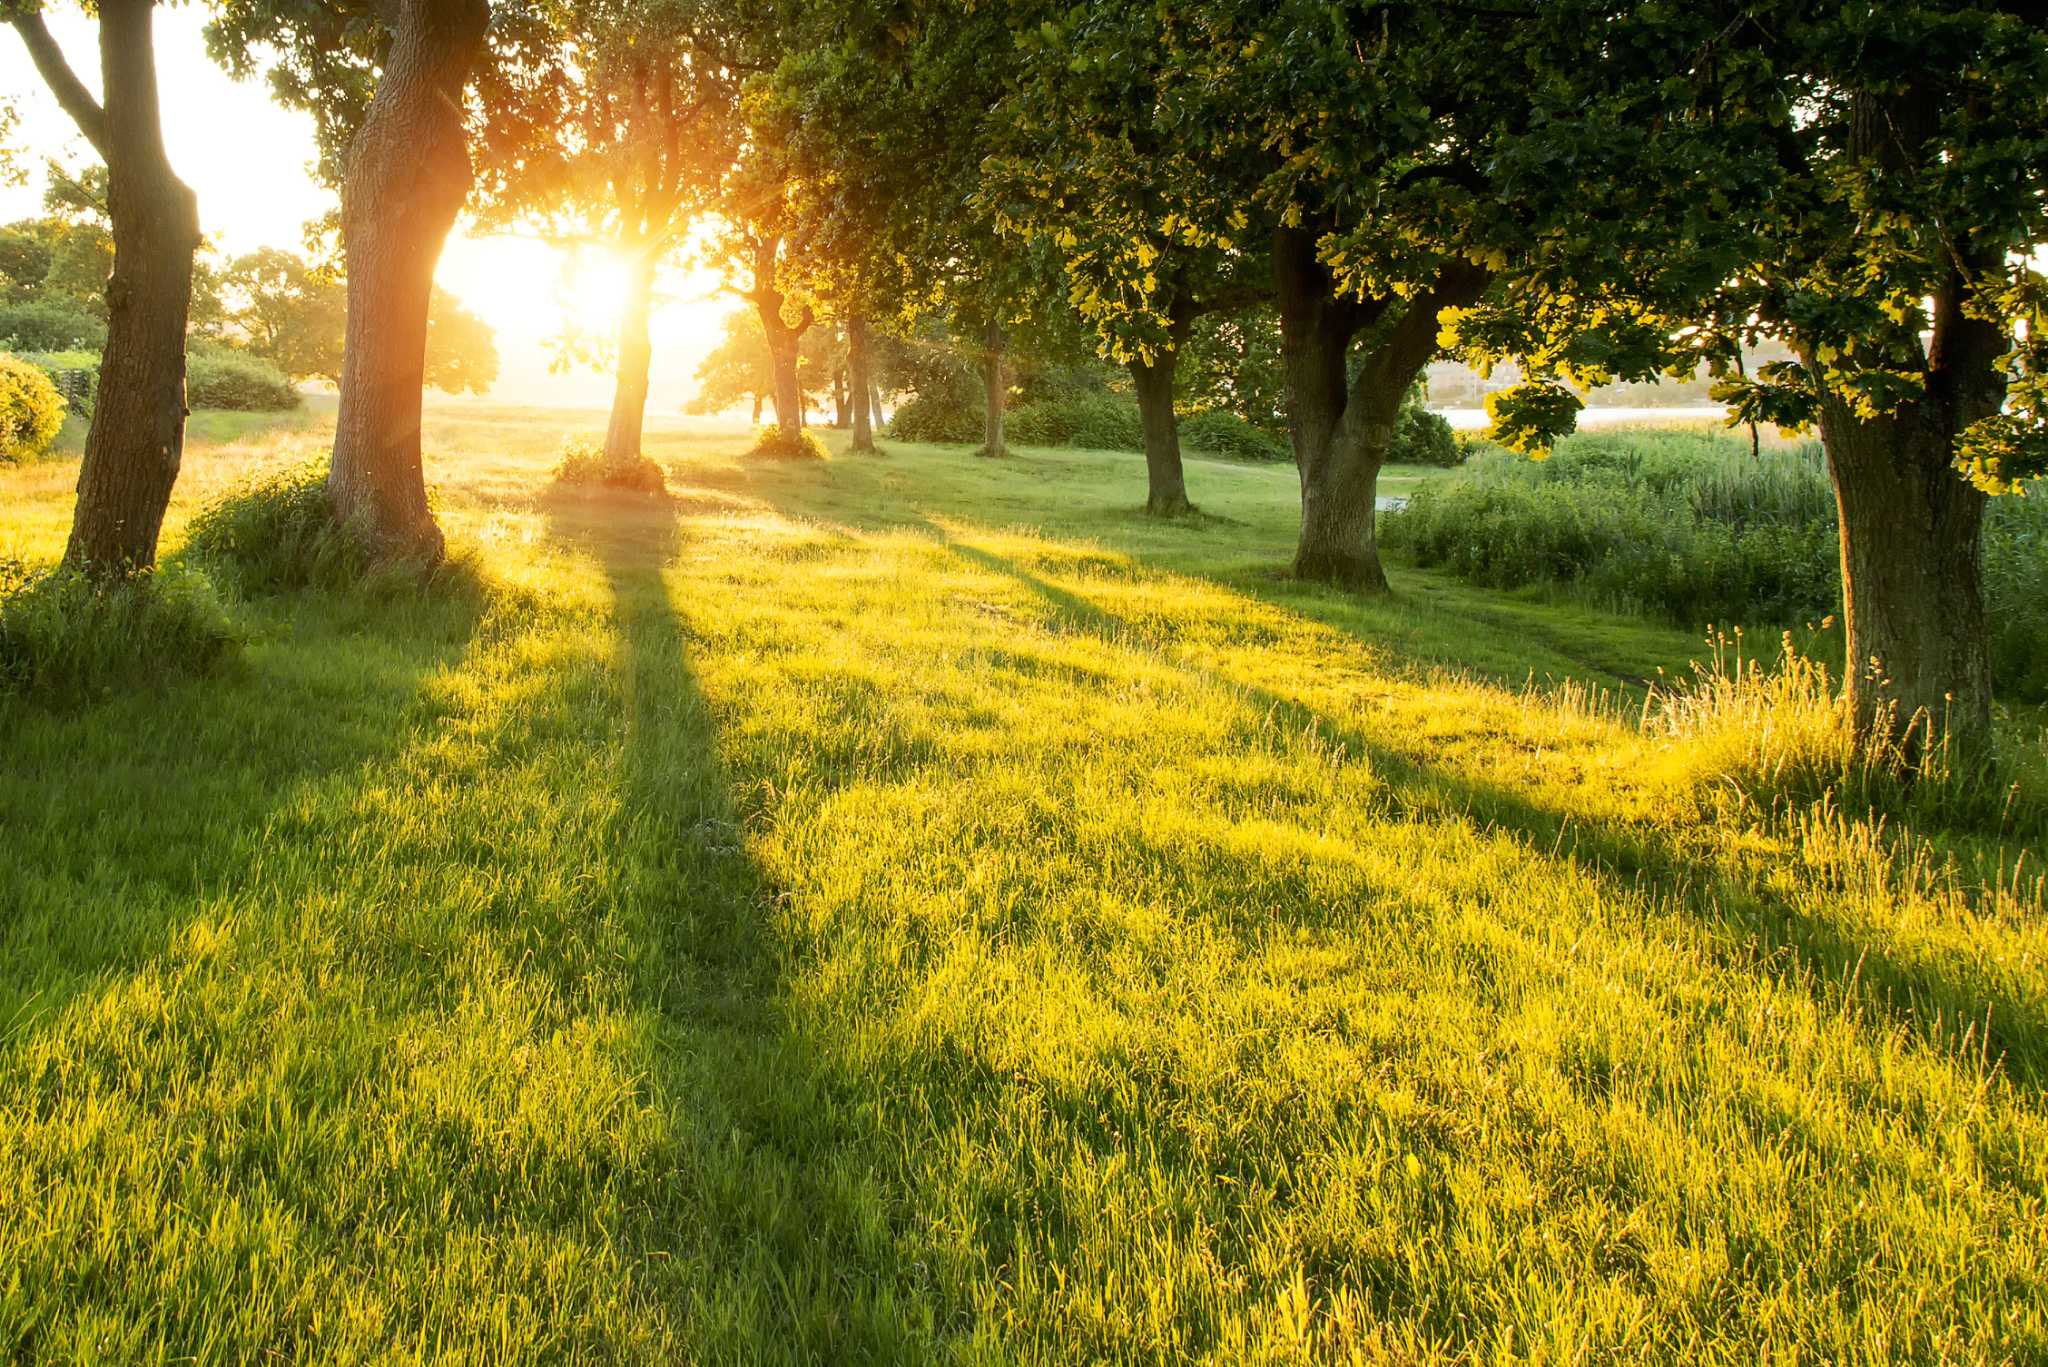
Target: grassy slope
{"points": [[917, 907]]}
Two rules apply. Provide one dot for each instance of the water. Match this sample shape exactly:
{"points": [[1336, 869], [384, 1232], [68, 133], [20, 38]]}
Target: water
{"points": [[1474, 419]]}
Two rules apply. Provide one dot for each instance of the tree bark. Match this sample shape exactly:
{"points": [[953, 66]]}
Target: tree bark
{"points": [[1166, 489], [757, 410], [861, 382], [783, 343], [994, 394], [842, 414], [1343, 430], [136, 441], [407, 178], [1918, 663], [636, 354]]}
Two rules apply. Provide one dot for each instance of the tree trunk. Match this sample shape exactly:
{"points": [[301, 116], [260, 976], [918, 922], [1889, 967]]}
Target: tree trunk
{"points": [[994, 393], [861, 383], [1166, 490], [636, 353], [782, 357], [136, 441], [875, 403], [842, 415], [1342, 431], [408, 176], [1918, 661], [757, 410]]}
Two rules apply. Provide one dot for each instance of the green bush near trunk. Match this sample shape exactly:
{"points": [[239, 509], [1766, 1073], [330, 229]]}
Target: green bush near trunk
{"points": [[64, 638], [1219, 432], [936, 419], [584, 463], [277, 533], [1097, 422], [31, 411]]}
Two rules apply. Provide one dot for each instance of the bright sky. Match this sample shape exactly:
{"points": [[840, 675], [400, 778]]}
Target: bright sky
{"points": [[249, 160]]}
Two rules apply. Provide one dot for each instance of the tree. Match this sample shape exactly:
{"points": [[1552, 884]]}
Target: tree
{"points": [[386, 84], [136, 440], [294, 314], [610, 131], [738, 370], [1086, 161], [1880, 193]]}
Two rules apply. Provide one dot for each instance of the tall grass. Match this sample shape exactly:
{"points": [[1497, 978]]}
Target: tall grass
{"points": [[1690, 527]]}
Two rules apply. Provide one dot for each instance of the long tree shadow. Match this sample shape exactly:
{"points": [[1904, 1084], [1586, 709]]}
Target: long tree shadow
{"points": [[1929, 1002], [777, 1246], [125, 815]]}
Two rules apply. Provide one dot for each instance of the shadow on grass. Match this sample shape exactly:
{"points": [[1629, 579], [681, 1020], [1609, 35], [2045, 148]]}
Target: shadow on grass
{"points": [[122, 816], [765, 1207], [1960, 1017]]}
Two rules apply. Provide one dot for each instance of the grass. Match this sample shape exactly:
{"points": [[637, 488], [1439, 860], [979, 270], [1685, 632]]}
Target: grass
{"points": [[923, 909]]}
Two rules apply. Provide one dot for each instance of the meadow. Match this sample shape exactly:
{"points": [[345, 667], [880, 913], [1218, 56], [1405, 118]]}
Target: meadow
{"points": [[917, 908]]}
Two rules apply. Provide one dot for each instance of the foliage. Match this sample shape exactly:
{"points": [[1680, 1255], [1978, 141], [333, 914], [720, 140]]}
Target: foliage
{"points": [[31, 410], [1424, 438], [776, 443], [220, 378], [66, 639], [49, 324], [276, 533], [462, 352], [939, 417], [1102, 422], [1223, 433], [288, 312], [585, 464]]}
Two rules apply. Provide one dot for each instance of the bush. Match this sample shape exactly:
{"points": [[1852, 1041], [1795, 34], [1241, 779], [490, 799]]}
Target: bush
{"points": [[937, 419], [770, 443], [50, 325], [1220, 432], [585, 464], [1424, 438], [277, 532], [65, 638], [31, 411], [217, 378], [1100, 422], [76, 374]]}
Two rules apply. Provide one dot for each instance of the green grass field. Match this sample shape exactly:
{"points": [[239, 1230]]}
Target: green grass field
{"points": [[919, 909]]}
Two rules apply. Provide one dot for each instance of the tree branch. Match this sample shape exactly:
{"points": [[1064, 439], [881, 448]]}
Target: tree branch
{"points": [[62, 80]]}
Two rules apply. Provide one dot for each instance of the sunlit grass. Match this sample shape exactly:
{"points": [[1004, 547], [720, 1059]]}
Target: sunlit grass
{"points": [[920, 908]]}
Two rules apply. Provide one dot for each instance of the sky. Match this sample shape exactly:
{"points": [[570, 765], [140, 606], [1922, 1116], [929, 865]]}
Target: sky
{"points": [[250, 161]]}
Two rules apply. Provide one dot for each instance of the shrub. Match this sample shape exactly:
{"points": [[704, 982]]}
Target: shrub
{"points": [[772, 443], [585, 464], [1101, 422], [1424, 438], [936, 418], [1221, 432], [216, 378], [65, 638], [50, 325], [31, 411], [277, 532], [76, 374]]}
